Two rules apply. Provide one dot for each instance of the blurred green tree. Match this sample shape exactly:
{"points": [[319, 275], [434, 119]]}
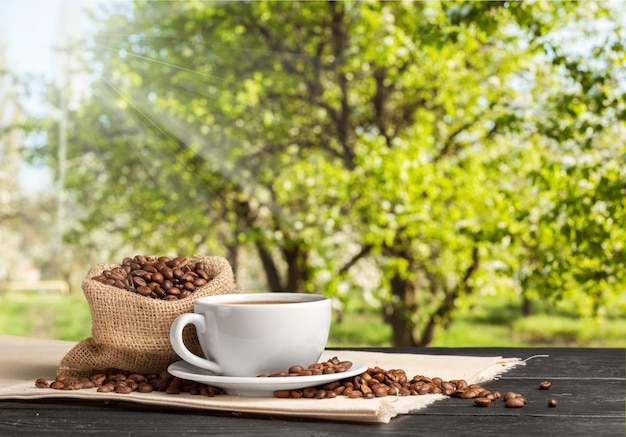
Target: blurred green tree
{"points": [[412, 153]]}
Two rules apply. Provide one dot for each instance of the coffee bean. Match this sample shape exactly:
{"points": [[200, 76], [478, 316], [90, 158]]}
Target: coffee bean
{"points": [[339, 390], [552, 403], [161, 384], [202, 273], [545, 385], [380, 390], [57, 385], [122, 388], [199, 282], [106, 388], [139, 281], [137, 377], [516, 402], [145, 387], [482, 402], [174, 291], [309, 392], [353, 394], [510, 394], [469, 394], [189, 277], [42, 383], [87, 383], [144, 291], [98, 379], [174, 387], [132, 384], [295, 369], [167, 272], [344, 366]]}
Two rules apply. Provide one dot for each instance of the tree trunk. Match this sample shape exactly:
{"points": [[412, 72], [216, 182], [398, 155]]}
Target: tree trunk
{"points": [[527, 306], [400, 312], [269, 267], [297, 274]]}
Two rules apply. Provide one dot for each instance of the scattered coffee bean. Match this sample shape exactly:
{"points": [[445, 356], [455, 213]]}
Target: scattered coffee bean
{"points": [[58, 385], [545, 385], [174, 387], [515, 403], [552, 403], [145, 387], [42, 383], [514, 400], [122, 388], [482, 402], [159, 277], [106, 388]]}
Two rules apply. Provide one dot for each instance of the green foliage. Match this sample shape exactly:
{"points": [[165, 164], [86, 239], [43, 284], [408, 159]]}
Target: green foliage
{"points": [[407, 154]]}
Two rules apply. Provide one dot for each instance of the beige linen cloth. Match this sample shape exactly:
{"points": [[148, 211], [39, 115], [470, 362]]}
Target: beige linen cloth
{"points": [[23, 360]]}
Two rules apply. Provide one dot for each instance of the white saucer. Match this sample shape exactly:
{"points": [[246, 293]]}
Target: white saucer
{"points": [[260, 386]]}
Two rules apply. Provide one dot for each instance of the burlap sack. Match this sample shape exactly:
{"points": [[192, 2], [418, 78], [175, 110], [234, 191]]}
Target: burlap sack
{"points": [[130, 332]]}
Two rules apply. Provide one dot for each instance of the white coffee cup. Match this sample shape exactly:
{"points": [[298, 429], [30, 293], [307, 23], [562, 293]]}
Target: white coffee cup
{"points": [[248, 334]]}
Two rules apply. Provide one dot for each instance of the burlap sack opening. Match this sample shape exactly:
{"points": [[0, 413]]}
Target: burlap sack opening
{"points": [[130, 332]]}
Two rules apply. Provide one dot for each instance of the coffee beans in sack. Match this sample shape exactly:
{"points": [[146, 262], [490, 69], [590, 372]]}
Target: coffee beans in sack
{"points": [[130, 326]]}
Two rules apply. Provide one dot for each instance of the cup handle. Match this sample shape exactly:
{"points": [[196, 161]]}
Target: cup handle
{"points": [[176, 339]]}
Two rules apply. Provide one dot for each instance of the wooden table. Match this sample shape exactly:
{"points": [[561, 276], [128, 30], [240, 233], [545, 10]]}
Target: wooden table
{"points": [[589, 385]]}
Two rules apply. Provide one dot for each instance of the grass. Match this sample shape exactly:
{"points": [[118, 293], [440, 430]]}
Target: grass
{"points": [[495, 321], [45, 315], [492, 321], [359, 329]]}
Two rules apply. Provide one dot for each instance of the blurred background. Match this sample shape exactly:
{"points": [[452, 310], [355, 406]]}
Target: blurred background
{"points": [[451, 173]]}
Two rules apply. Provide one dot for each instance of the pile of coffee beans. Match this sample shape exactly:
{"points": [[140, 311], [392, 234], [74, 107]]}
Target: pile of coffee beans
{"points": [[333, 365], [159, 277], [378, 383], [371, 384], [125, 383]]}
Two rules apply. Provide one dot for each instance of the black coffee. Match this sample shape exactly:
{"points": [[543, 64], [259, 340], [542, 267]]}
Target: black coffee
{"points": [[260, 302]]}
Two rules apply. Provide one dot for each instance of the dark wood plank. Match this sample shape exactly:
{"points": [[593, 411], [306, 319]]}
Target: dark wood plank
{"points": [[560, 363], [41, 420]]}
